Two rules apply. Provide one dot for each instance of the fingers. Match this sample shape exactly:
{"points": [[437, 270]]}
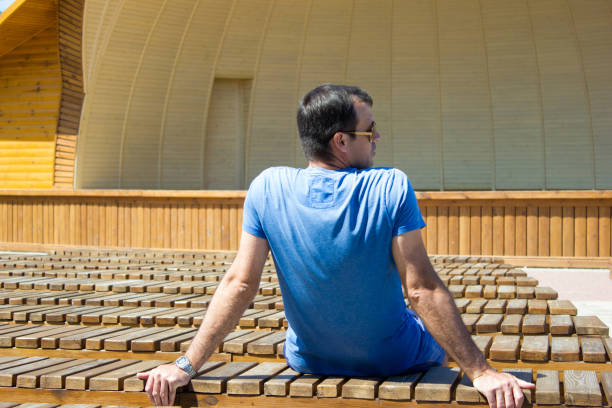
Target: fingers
{"points": [[519, 397], [525, 384], [164, 393], [500, 398], [491, 399], [509, 397], [156, 391], [143, 376], [172, 395]]}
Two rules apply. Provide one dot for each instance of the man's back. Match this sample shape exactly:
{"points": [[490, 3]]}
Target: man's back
{"points": [[330, 235]]}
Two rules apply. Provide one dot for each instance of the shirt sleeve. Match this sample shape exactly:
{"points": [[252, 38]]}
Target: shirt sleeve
{"points": [[252, 212], [402, 204]]}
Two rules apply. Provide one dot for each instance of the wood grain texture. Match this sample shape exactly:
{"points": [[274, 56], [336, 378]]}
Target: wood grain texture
{"points": [[581, 388], [212, 220]]}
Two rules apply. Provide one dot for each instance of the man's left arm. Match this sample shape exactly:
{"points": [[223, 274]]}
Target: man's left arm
{"points": [[432, 301]]}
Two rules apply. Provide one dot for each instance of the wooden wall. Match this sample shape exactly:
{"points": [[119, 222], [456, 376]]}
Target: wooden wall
{"points": [[70, 24], [555, 224], [30, 86]]}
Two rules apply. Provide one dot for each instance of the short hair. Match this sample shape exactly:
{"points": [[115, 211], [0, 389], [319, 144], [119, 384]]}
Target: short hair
{"points": [[322, 112]]}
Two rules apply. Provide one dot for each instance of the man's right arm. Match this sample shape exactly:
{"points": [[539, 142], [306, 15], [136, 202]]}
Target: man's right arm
{"points": [[233, 295]]}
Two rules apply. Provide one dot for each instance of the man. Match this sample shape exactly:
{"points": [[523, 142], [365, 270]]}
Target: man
{"points": [[345, 237]]}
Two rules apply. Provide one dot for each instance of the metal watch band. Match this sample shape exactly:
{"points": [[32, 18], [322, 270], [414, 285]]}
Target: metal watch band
{"points": [[184, 364]]}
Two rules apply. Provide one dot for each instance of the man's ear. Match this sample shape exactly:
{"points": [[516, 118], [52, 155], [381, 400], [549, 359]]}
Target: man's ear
{"points": [[339, 141]]}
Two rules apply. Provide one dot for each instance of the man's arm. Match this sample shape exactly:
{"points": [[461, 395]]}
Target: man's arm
{"points": [[233, 295], [432, 301]]}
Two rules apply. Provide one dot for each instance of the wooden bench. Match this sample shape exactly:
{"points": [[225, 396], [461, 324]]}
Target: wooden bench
{"points": [[275, 383]]}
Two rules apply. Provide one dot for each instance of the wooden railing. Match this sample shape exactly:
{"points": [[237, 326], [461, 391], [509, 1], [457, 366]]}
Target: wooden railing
{"points": [[522, 223]]}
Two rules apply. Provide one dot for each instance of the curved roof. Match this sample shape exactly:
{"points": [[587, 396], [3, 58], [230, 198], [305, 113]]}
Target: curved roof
{"points": [[23, 20]]}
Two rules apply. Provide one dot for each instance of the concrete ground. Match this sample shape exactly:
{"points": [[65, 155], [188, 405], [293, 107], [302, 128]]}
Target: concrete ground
{"points": [[589, 289]]}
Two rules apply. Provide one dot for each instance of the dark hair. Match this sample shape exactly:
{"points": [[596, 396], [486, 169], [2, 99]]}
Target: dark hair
{"points": [[322, 112]]}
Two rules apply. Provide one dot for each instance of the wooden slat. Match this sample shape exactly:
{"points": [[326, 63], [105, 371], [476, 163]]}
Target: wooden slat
{"points": [[436, 384], [581, 388], [547, 390]]}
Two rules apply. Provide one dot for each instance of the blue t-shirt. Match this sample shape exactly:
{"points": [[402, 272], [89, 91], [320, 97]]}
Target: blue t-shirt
{"points": [[330, 235]]}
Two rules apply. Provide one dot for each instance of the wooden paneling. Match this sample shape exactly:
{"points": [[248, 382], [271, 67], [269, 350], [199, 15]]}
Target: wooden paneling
{"points": [[22, 20], [526, 225], [29, 99], [70, 24]]}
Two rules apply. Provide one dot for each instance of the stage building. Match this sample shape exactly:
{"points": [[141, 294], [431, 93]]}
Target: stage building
{"points": [[131, 123]]}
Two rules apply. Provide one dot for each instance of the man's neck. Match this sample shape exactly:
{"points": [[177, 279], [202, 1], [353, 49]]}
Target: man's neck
{"points": [[333, 164]]}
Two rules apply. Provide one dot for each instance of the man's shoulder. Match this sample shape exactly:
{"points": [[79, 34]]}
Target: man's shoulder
{"points": [[383, 174]]}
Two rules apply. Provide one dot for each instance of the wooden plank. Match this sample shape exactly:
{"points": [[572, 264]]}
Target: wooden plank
{"points": [[453, 230], [466, 393], [534, 348], [545, 293], [544, 231], [8, 376], [516, 306], [331, 387], [464, 230], [592, 350], [532, 231], [568, 231], [399, 388], [486, 230], [32, 378], [590, 325], [580, 231], [475, 230], [604, 231], [113, 380], [279, 385], [505, 348], [592, 231], [215, 381], [442, 233], [483, 343], [489, 323], [239, 344], [581, 388], [495, 306], [152, 342], [437, 384], [475, 306], [431, 218], [537, 306], [362, 388], [560, 324], [547, 390], [564, 349], [511, 324], [267, 344], [606, 384], [56, 379], [562, 307], [534, 324], [509, 230], [304, 386], [607, 341], [251, 381]]}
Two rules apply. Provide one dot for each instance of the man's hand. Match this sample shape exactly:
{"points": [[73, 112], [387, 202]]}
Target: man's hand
{"points": [[162, 383], [501, 389]]}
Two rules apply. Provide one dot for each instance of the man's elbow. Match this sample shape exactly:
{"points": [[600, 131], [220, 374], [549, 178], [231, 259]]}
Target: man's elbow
{"points": [[241, 286]]}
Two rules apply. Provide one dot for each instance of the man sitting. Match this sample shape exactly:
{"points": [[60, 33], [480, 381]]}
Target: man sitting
{"points": [[345, 238]]}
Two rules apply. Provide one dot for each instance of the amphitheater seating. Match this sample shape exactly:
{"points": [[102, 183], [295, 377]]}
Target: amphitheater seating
{"points": [[86, 321]]}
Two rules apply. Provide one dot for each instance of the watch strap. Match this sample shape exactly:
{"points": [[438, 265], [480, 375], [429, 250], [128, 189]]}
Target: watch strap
{"points": [[184, 364]]}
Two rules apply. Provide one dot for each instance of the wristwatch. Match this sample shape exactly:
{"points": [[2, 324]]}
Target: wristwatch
{"points": [[184, 364]]}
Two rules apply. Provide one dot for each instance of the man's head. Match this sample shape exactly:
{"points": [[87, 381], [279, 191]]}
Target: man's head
{"points": [[333, 121]]}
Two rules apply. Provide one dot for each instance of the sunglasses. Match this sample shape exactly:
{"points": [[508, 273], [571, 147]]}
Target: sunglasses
{"points": [[370, 134]]}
